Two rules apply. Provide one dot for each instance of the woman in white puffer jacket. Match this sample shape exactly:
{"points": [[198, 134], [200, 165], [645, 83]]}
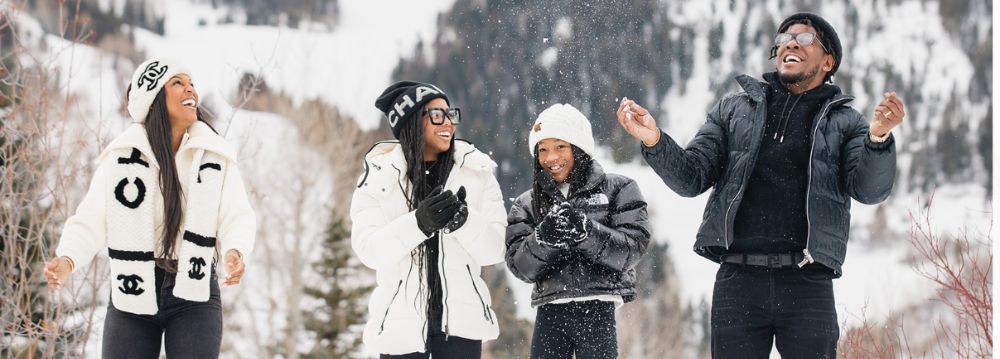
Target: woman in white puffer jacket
{"points": [[427, 216], [166, 203]]}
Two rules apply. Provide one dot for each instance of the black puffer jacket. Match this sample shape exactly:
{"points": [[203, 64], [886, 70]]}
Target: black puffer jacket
{"points": [[844, 164], [604, 263]]}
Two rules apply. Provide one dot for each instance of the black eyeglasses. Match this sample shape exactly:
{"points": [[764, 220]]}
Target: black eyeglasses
{"points": [[437, 115], [803, 38]]}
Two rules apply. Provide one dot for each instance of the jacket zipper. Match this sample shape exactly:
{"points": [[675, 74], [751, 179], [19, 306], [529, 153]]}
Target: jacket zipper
{"points": [[807, 257], [486, 310], [444, 275], [725, 231], [386, 315]]}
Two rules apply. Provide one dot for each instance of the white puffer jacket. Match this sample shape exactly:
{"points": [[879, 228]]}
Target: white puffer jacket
{"points": [[384, 232]]}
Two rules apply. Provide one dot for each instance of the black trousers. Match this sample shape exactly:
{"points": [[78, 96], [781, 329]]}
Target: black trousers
{"points": [[755, 307], [585, 328], [188, 329], [441, 347]]}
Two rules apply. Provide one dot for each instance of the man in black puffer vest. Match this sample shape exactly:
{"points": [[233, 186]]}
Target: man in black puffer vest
{"points": [[784, 157]]}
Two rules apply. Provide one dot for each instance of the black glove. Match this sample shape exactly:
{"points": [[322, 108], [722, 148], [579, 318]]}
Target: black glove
{"points": [[562, 227], [462, 215], [436, 210], [579, 226]]}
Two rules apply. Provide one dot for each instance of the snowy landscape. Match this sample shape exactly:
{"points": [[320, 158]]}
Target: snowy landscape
{"points": [[300, 168]]}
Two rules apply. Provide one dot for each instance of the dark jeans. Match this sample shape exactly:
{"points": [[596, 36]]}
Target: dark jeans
{"points": [[753, 307], [587, 328], [440, 347], [189, 329]]}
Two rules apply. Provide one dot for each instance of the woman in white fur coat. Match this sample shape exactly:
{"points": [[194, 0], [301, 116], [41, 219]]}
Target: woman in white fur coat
{"points": [[427, 216], [165, 201]]}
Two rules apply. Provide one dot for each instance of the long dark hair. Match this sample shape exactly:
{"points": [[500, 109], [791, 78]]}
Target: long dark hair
{"points": [[411, 139], [160, 135], [541, 200]]}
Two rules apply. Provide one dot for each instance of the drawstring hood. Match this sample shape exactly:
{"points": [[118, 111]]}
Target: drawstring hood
{"points": [[783, 120], [810, 102]]}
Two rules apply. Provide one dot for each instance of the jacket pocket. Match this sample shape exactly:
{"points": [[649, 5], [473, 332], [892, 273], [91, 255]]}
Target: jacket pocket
{"points": [[486, 308], [381, 326]]}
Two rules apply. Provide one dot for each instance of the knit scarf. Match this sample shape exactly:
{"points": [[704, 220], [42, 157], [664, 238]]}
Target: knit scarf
{"points": [[131, 232]]}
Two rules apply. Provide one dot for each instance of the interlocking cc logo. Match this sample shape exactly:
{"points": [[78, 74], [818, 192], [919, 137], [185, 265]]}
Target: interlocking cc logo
{"points": [[195, 272], [130, 284], [151, 75]]}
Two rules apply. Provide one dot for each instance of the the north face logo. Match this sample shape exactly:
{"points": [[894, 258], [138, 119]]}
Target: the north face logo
{"points": [[597, 200]]}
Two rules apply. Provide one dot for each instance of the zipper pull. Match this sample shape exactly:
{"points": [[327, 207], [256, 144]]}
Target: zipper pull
{"points": [[807, 259]]}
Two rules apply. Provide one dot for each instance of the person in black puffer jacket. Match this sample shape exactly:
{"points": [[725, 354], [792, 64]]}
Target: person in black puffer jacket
{"points": [[784, 157], [577, 236]]}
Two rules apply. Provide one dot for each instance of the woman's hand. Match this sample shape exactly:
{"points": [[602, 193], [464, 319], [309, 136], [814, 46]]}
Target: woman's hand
{"points": [[57, 271], [234, 267]]}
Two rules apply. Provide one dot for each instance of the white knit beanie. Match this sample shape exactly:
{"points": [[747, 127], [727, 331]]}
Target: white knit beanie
{"points": [[564, 122], [147, 81]]}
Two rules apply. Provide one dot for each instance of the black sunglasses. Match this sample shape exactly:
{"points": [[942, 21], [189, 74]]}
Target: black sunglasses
{"points": [[437, 115]]}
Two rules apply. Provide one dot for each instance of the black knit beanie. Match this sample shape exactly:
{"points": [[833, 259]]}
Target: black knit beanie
{"points": [[401, 101], [827, 35]]}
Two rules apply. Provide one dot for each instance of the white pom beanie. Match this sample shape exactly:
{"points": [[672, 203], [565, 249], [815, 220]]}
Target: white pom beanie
{"points": [[564, 122], [148, 79]]}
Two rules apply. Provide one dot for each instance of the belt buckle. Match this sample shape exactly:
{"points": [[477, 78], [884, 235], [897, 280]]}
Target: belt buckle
{"points": [[774, 260]]}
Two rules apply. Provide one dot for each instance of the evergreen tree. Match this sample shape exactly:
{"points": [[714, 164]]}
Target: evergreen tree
{"points": [[985, 148], [491, 68], [334, 324]]}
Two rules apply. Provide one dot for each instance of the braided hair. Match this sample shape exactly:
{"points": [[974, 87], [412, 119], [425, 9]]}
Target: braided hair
{"points": [[541, 199], [411, 140]]}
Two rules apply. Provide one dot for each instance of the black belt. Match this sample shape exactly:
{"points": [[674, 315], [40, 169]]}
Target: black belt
{"points": [[770, 260]]}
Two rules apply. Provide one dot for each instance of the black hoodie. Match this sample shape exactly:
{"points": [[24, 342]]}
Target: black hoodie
{"points": [[772, 216]]}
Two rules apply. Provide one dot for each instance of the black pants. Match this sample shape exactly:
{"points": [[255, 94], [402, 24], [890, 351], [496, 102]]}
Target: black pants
{"points": [[753, 307], [440, 347], [586, 328], [188, 329]]}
